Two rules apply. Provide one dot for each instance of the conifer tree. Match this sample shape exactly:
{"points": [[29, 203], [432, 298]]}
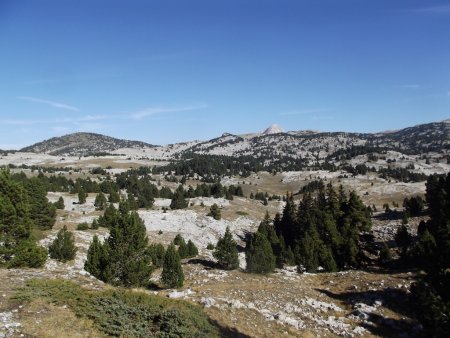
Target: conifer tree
{"points": [[172, 275], [178, 239], [17, 248], [59, 204], [385, 254], [183, 250], [178, 200], [226, 252], [214, 212], [157, 253], [63, 247], [114, 197], [28, 254], [191, 249], [126, 259], [100, 202], [95, 262], [42, 213], [403, 239], [82, 196], [94, 225], [259, 255]]}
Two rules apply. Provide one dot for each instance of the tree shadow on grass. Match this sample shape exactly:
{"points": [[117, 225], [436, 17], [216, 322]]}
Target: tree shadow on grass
{"points": [[228, 332], [396, 300]]}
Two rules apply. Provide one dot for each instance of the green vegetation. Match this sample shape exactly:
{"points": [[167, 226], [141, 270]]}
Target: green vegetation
{"points": [[259, 255], [59, 204], [431, 253], [321, 231], [19, 198], [28, 254], [157, 253], [83, 226], [178, 200], [82, 195], [413, 205], [123, 259], [121, 313], [63, 247], [172, 275], [214, 212], [226, 252], [100, 201]]}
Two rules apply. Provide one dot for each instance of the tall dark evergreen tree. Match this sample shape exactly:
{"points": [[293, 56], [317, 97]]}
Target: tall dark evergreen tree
{"points": [[17, 248], [178, 200], [432, 292], [172, 275], [259, 255], [59, 204], [82, 196], [226, 252], [100, 201], [125, 255]]}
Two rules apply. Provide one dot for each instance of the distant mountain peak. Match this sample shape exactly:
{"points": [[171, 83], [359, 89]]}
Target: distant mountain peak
{"points": [[273, 129]]}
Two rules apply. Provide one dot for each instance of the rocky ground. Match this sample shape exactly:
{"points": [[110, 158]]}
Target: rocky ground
{"points": [[351, 303], [284, 303]]}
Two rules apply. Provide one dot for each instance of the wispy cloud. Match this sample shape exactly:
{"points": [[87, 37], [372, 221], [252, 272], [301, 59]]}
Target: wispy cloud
{"points": [[160, 109], [81, 119], [410, 86], [49, 103], [443, 9], [303, 112], [89, 122]]}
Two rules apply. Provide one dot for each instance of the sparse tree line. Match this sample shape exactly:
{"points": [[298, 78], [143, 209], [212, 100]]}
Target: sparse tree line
{"points": [[125, 258], [429, 252], [23, 207]]}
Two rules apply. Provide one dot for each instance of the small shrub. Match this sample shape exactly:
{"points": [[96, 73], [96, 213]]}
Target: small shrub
{"points": [[28, 254], [82, 226], [214, 212], [63, 247]]}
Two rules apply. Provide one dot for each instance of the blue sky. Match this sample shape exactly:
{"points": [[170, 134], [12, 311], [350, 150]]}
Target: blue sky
{"points": [[169, 71]]}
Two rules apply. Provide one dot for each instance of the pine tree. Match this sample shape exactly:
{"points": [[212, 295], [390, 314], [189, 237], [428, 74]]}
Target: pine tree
{"points": [[178, 200], [63, 247], [59, 204], [403, 239], [42, 213], [126, 259], [214, 212], [259, 255], [114, 197], [183, 250], [17, 248], [100, 202], [178, 239], [28, 254], [94, 225], [157, 253], [82, 196], [226, 252], [95, 262], [385, 254], [172, 275], [191, 249]]}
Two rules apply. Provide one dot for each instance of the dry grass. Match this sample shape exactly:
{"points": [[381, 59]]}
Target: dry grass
{"points": [[41, 319]]}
